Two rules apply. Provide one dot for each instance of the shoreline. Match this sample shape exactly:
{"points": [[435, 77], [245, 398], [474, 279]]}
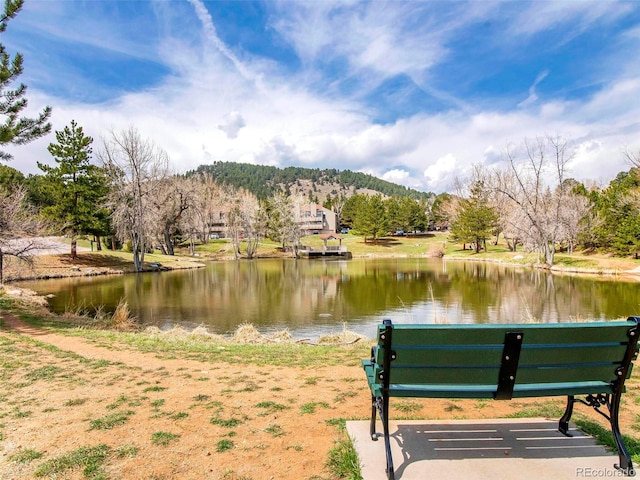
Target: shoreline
{"points": [[631, 274], [59, 266]]}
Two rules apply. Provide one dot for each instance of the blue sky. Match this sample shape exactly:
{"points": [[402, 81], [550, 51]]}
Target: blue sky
{"points": [[413, 92]]}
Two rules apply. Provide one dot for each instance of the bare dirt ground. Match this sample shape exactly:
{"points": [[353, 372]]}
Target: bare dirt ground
{"points": [[158, 416], [43, 245]]}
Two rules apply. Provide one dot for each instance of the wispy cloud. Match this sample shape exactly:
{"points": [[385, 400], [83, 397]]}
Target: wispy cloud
{"points": [[573, 17], [209, 31], [533, 96]]}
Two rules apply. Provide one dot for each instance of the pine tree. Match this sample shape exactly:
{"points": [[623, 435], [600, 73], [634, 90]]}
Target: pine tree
{"points": [[14, 129], [76, 186], [477, 219], [371, 219]]}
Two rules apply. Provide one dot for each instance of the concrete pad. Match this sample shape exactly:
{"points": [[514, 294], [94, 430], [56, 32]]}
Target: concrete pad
{"points": [[520, 449]]}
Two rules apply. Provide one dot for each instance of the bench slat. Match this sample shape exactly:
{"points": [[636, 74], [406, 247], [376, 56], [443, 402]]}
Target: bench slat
{"points": [[562, 333], [566, 373], [484, 374], [571, 353], [481, 374], [549, 354], [561, 389]]}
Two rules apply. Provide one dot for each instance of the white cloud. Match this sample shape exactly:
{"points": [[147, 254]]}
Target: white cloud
{"points": [[396, 176], [232, 124], [441, 171]]}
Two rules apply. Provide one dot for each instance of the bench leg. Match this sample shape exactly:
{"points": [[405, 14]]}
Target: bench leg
{"points": [[563, 424], [625, 459], [380, 405], [612, 402], [374, 412], [384, 417]]}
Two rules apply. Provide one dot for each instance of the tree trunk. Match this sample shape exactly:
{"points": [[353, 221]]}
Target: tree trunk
{"points": [[138, 254], [98, 243], [168, 242], [549, 254], [74, 248]]}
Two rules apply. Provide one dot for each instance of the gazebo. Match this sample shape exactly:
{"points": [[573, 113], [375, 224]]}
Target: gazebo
{"points": [[332, 249], [327, 250]]}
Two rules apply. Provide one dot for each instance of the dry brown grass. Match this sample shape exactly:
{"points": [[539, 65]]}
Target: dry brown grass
{"points": [[122, 319]]}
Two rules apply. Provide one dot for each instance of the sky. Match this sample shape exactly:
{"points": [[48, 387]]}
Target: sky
{"points": [[415, 93]]}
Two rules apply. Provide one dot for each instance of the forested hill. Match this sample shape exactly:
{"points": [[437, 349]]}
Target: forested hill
{"points": [[263, 181]]}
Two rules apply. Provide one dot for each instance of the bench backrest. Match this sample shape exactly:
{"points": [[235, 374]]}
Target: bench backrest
{"points": [[505, 361]]}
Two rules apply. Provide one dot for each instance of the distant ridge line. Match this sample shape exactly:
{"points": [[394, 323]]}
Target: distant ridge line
{"points": [[263, 181]]}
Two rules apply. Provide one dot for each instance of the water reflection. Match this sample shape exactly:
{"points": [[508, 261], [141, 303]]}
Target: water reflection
{"points": [[314, 297]]}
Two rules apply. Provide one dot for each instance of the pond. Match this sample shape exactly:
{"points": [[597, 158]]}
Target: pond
{"points": [[315, 297]]}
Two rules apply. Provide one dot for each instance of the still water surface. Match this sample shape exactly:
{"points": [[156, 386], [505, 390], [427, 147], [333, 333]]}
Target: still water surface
{"points": [[312, 298]]}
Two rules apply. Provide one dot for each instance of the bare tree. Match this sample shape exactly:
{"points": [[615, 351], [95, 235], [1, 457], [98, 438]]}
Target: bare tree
{"points": [[136, 168], [337, 204], [246, 221], [512, 222], [235, 226], [573, 217], [174, 196], [256, 229], [18, 225], [525, 185], [631, 157], [284, 221], [210, 198], [190, 222]]}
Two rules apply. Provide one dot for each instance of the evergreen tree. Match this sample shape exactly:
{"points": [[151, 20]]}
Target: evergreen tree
{"points": [[394, 213], [14, 129], [619, 208], [76, 186], [476, 219], [353, 206], [371, 221], [10, 177]]}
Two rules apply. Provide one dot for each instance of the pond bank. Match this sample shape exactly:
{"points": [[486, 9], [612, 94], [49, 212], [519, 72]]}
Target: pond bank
{"points": [[619, 269]]}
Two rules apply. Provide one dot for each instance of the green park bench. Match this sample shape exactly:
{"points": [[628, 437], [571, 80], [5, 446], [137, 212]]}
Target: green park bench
{"points": [[501, 362]]}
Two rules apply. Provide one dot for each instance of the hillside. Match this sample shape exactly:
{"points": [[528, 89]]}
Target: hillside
{"points": [[317, 184]]}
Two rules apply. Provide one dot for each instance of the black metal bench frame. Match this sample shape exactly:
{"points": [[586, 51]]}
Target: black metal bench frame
{"points": [[505, 388]]}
